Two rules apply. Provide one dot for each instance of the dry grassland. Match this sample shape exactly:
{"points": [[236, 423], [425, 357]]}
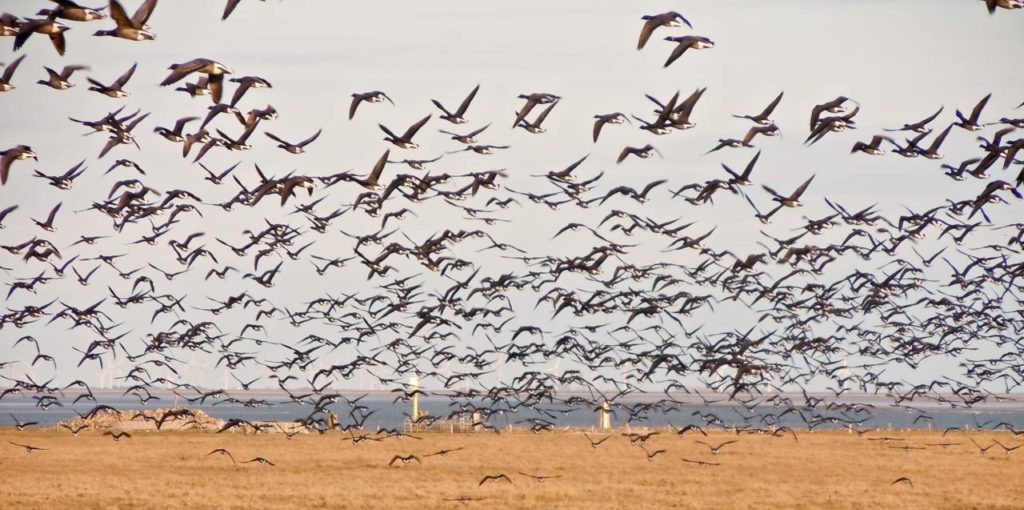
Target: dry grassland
{"points": [[821, 470]]}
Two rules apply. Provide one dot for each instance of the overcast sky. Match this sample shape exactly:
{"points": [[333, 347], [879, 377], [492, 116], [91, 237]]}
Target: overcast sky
{"points": [[900, 59]]}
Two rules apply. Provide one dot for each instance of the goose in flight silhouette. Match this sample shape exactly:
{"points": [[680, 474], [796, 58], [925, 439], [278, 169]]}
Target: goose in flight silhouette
{"points": [[404, 459], [224, 452], [540, 478], [718, 448], [28, 448], [495, 478]]}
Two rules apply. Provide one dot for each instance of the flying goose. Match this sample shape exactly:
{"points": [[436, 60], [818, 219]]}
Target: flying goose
{"points": [[651, 455], [541, 478], [533, 100], [459, 115], [495, 478], [404, 141], [405, 460], [214, 72], [932, 152], [716, 448], [535, 126], [69, 10], [744, 178], [175, 134], [701, 463], [229, 7], [595, 444], [468, 138], [20, 425], [222, 451], [244, 84], [1009, 5], [833, 106], [13, 154], [607, 118], [374, 96], [294, 148], [65, 180], [117, 436], [763, 117], [641, 152], [53, 29], [132, 29], [792, 200], [904, 480], [686, 42], [769, 130], [5, 78], [261, 460], [28, 448], [653, 21], [116, 89], [920, 126], [59, 81], [874, 147], [971, 123]]}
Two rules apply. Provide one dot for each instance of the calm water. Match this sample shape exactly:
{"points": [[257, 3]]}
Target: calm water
{"points": [[386, 413]]}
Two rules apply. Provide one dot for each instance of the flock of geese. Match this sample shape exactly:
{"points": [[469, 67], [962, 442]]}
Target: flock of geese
{"points": [[855, 285]]}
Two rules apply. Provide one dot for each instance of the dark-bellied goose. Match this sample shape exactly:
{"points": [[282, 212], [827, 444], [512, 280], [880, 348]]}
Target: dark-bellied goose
{"points": [[59, 81], [175, 134], [495, 478], [920, 126], [52, 29], [716, 448], [874, 147], [214, 71], [653, 21], [11, 155], [532, 100], [116, 89], [468, 138], [28, 448], [294, 148], [374, 96], [833, 106], [972, 123], [66, 9], [769, 130], [686, 42], [404, 459], [244, 84], [535, 126], [641, 152], [5, 78], [404, 141], [607, 118], [1009, 5], [459, 115], [763, 118], [540, 478], [133, 28], [793, 200]]}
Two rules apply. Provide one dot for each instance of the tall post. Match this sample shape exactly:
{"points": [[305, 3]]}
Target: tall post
{"points": [[606, 416], [414, 381]]}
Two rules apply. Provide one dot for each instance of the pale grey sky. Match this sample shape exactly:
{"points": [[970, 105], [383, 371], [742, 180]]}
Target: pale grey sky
{"points": [[900, 59]]}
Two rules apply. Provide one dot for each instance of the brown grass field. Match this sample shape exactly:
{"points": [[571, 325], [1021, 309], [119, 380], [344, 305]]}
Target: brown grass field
{"points": [[831, 469]]}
